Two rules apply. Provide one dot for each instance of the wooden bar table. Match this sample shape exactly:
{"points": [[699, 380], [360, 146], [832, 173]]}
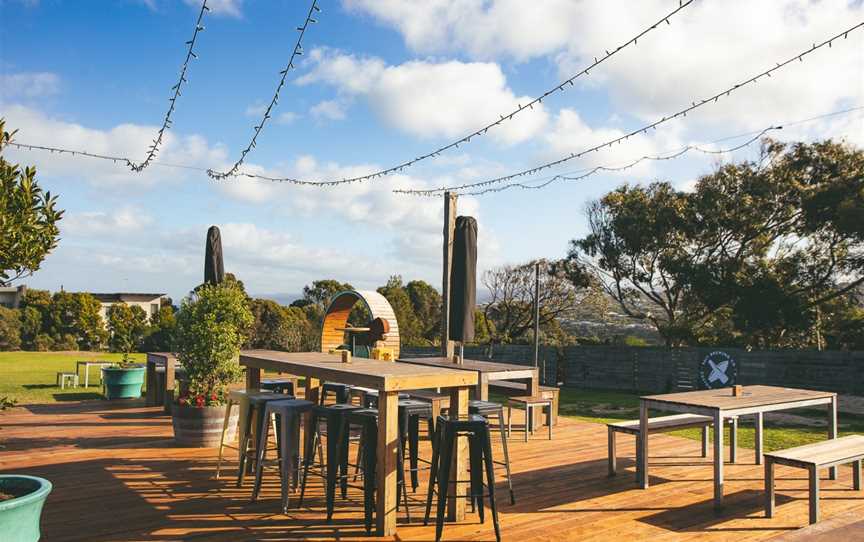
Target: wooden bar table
{"points": [[720, 404], [389, 379], [488, 371]]}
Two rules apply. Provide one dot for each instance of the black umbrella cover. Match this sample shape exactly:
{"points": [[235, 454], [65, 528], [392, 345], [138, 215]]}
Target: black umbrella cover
{"points": [[214, 270], [463, 280]]}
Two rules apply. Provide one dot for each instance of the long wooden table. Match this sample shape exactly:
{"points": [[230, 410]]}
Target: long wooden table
{"points": [[487, 371], [720, 404], [389, 379]]}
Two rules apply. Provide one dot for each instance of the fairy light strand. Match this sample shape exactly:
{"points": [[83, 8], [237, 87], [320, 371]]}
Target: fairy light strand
{"points": [[166, 123], [560, 87], [682, 113], [298, 50]]}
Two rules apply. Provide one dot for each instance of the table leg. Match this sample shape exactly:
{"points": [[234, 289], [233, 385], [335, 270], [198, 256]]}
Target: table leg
{"points": [[170, 366], [642, 445], [86, 375], [388, 448], [832, 431], [481, 392], [150, 380], [760, 422], [313, 387], [456, 506], [718, 461], [533, 389]]}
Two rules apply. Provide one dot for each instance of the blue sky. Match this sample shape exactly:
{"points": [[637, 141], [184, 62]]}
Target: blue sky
{"points": [[382, 81]]}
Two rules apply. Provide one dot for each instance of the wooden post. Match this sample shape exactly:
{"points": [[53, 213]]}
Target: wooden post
{"points": [[536, 313], [456, 506], [449, 231], [718, 460]]}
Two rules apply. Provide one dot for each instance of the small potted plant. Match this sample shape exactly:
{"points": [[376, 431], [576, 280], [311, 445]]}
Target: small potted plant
{"points": [[21, 501], [211, 327], [123, 381]]}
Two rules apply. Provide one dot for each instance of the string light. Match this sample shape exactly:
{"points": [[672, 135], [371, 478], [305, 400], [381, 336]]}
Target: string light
{"points": [[298, 50], [190, 54], [682, 113], [123, 159], [398, 168], [669, 155]]}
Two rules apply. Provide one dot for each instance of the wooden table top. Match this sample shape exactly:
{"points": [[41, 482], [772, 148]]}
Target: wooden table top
{"points": [[753, 396], [161, 357], [485, 367], [370, 373]]}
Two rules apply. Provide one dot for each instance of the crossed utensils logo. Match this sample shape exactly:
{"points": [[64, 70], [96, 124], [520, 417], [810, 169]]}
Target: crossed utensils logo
{"points": [[718, 370]]}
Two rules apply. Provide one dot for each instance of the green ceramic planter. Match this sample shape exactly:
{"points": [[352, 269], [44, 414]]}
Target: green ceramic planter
{"points": [[123, 382], [19, 517]]}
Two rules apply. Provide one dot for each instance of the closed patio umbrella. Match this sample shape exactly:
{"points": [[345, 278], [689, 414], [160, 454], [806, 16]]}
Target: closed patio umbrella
{"points": [[214, 270], [463, 282]]}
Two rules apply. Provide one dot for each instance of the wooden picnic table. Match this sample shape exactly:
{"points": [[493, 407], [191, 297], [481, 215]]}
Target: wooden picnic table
{"points": [[388, 379], [169, 362], [720, 404]]}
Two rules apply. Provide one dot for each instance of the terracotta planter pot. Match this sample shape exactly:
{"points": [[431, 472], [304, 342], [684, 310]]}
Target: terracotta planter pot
{"points": [[196, 427]]}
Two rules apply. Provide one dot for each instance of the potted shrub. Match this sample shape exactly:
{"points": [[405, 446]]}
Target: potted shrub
{"points": [[123, 381], [211, 327]]}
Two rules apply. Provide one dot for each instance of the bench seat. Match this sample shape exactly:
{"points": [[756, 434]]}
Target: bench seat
{"points": [[819, 455], [663, 424]]}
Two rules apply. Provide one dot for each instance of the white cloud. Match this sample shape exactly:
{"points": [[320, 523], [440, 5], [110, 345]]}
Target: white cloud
{"points": [[429, 99], [119, 222], [231, 8], [329, 109], [129, 140], [28, 85], [708, 46]]}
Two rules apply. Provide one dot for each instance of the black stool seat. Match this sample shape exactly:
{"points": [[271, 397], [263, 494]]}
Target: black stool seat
{"points": [[447, 433], [288, 412], [278, 385]]}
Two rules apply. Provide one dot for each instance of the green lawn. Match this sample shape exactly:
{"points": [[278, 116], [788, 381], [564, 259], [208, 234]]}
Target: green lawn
{"points": [[31, 377]]}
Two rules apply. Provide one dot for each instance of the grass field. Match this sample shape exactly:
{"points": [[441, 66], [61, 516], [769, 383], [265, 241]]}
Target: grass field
{"points": [[30, 377]]}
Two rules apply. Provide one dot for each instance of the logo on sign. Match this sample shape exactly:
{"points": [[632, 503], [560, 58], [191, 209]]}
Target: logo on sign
{"points": [[718, 370]]}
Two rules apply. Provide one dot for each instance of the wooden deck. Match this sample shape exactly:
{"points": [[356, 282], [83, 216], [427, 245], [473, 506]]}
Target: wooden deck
{"points": [[118, 477]]}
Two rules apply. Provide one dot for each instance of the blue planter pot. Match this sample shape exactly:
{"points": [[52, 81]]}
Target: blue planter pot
{"points": [[19, 517], [123, 382]]}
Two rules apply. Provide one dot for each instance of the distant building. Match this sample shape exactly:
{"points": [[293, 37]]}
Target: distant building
{"points": [[149, 302], [11, 296]]}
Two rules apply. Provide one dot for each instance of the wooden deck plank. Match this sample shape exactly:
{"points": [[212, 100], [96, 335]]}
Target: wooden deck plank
{"points": [[118, 476]]}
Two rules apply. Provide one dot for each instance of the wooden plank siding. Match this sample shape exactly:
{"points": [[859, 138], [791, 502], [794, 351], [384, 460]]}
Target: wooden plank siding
{"points": [[119, 477]]}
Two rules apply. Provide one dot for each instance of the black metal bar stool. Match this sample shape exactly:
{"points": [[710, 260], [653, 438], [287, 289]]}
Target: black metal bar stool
{"points": [[411, 411], [341, 392], [367, 420], [336, 465], [254, 412], [447, 432], [279, 385], [489, 409], [289, 412]]}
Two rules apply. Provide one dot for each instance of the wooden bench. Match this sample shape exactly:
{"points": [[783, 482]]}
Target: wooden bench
{"points": [[519, 388], [663, 424], [821, 455]]}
